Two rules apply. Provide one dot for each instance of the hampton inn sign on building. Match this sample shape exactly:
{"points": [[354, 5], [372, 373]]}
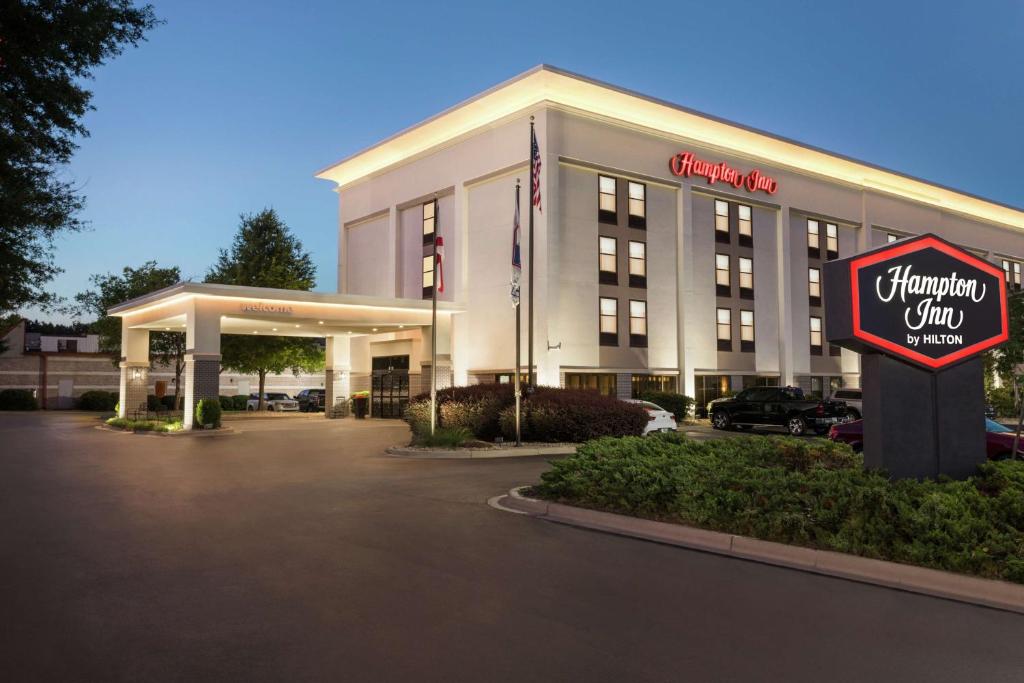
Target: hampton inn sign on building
{"points": [[674, 250]]}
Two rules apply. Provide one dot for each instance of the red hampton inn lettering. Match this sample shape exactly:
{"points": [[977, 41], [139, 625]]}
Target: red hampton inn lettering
{"points": [[685, 164]]}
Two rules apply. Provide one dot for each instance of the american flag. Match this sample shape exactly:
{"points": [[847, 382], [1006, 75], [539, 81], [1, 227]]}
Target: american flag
{"points": [[535, 168], [517, 261]]}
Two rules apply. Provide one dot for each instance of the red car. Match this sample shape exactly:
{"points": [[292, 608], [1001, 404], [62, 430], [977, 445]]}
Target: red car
{"points": [[998, 439]]}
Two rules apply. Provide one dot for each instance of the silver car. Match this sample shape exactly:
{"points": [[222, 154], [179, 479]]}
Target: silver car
{"points": [[273, 402]]}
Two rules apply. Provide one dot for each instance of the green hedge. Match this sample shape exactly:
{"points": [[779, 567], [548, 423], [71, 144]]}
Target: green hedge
{"points": [[475, 408], [17, 399], [103, 401], [811, 493], [208, 412], [679, 405]]}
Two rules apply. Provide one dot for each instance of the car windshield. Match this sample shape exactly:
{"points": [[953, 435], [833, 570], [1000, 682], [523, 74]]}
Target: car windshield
{"points": [[651, 406], [993, 426], [277, 397]]}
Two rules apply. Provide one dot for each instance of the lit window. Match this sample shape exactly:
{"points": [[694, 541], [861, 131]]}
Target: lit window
{"points": [[746, 330], [721, 220], [814, 283], [609, 321], [890, 238], [816, 333], [428, 275], [746, 267], [638, 323], [637, 264], [1016, 276], [637, 205], [429, 221], [832, 239], [724, 328], [722, 274], [813, 238], [1007, 271], [745, 227], [608, 251], [606, 207]]}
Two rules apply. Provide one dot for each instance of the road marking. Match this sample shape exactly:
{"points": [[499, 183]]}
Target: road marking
{"points": [[496, 504]]}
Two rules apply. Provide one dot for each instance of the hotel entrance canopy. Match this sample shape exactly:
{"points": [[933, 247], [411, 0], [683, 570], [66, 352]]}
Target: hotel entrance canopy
{"points": [[203, 312]]}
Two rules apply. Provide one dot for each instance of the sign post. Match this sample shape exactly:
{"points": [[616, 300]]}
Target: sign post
{"points": [[920, 311]]}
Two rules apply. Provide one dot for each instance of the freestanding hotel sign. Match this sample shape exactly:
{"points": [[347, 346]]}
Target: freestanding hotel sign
{"points": [[920, 310]]}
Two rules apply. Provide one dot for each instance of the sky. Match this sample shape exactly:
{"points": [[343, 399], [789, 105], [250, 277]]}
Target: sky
{"points": [[230, 107]]}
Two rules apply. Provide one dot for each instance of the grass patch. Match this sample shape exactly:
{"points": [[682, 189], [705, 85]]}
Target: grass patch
{"points": [[444, 437], [158, 425], [811, 493]]}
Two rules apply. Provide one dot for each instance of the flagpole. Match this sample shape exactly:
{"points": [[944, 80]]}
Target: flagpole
{"points": [[518, 344], [529, 325], [433, 329]]}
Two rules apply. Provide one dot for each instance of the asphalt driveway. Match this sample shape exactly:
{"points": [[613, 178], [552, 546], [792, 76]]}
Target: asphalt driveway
{"points": [[297, 550]]}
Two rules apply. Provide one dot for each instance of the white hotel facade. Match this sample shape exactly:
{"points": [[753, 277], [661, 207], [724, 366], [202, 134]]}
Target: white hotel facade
{"points": [[647, 272]]}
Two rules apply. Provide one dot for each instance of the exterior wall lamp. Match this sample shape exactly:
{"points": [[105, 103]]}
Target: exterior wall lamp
{"points": [[555, 347], [136, 373]]}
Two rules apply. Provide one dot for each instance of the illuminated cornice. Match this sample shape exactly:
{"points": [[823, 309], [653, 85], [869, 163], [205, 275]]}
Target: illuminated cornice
{"points": [[544, 84]]}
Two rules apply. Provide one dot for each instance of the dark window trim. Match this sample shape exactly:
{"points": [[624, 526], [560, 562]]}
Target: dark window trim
{"points": [[834, 350], [746, 293], [814, 252], [723, 291], [815, 350], [428, 237], [638, 222], [604, 216], [636, 340], [746, 346], [609, 339], [746, 240], [607, 277], [638, 281], [814, 300], [725, 344]]}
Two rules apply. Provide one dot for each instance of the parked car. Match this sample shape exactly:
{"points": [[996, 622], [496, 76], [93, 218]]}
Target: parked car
{"points": [[777, 407], [273, 402], [998, 439], [852, 399], [990, 411], [658, 419], [311, 400]]}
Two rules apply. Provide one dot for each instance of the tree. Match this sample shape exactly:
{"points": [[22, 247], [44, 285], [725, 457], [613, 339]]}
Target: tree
{"points": [[264, 253], [48, 49], [1008, 359], [111, 289]]}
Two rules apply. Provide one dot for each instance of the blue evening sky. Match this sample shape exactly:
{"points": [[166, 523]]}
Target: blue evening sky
{"points": [[232, 106]]}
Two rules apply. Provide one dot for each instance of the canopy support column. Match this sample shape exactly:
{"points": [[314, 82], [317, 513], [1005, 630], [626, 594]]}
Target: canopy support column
{"points": [[337, 382], [134, 370], [202, 358]]}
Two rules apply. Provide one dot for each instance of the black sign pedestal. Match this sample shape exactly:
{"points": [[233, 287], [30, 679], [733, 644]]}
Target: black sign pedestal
{"points": [[922, 423], [920, 311]]}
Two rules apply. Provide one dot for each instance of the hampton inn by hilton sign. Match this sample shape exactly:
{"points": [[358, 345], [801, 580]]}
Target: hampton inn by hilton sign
{"points": [[920, 310], [686, 164]]}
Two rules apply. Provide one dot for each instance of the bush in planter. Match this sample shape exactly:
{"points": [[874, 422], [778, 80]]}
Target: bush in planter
{"points": [[445, 437], [573, 415], [476, 408], [17, 399], [679, 405], [208, 412], [226, 402], [103, 401], [239, 402]]}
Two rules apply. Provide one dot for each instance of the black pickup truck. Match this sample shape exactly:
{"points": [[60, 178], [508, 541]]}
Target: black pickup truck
{"points": [[776, 406]]}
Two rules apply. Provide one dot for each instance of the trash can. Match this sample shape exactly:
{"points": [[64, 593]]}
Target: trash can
{"points": [[360, 406]]}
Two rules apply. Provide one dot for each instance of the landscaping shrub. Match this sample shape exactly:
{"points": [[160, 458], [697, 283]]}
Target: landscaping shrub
{"points": [[573, 415], [145, 425], [239, 402], [813, 493], [98, 400], [168, 402], [17, 399], [679, 405], [227, 402], [476, 408], [208, 412], [153, 403]]}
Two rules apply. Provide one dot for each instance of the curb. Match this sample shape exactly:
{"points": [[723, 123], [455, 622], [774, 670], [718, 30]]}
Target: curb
{"points": [[223, 431], [477, 453], [933, 582]]}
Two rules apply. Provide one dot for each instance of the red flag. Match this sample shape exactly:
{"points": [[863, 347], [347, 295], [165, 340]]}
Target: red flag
{"points": [[439, 246]]}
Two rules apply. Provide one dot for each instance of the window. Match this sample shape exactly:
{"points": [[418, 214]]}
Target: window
{"points": [[746, 266], [721, 221], [641, 384], [746, 331], [609, 313], [429, 221], [724, 327], [637, 264], [1006, 272], [751, 381], [708, 388], [603, 383], [832, 240], [722, 287], [746, 228], [1011, 269], [638, 323], [607, 211], [815, 335], [814, 286], [428, 276], [1016, 276], [813, 239], [890, 238], [608, 273], [637, 205]]}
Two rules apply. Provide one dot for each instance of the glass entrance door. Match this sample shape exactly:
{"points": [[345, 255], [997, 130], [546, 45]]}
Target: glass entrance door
{"points": [[389, 389]]}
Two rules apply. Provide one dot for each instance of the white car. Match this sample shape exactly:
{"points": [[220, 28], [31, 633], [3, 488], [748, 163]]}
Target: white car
{"points": [[853, 399], [660, 420], [273, 402]]}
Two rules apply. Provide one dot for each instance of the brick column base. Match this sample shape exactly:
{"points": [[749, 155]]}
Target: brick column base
{"points": [[202, 380], [134, 390], [623, 385]]}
